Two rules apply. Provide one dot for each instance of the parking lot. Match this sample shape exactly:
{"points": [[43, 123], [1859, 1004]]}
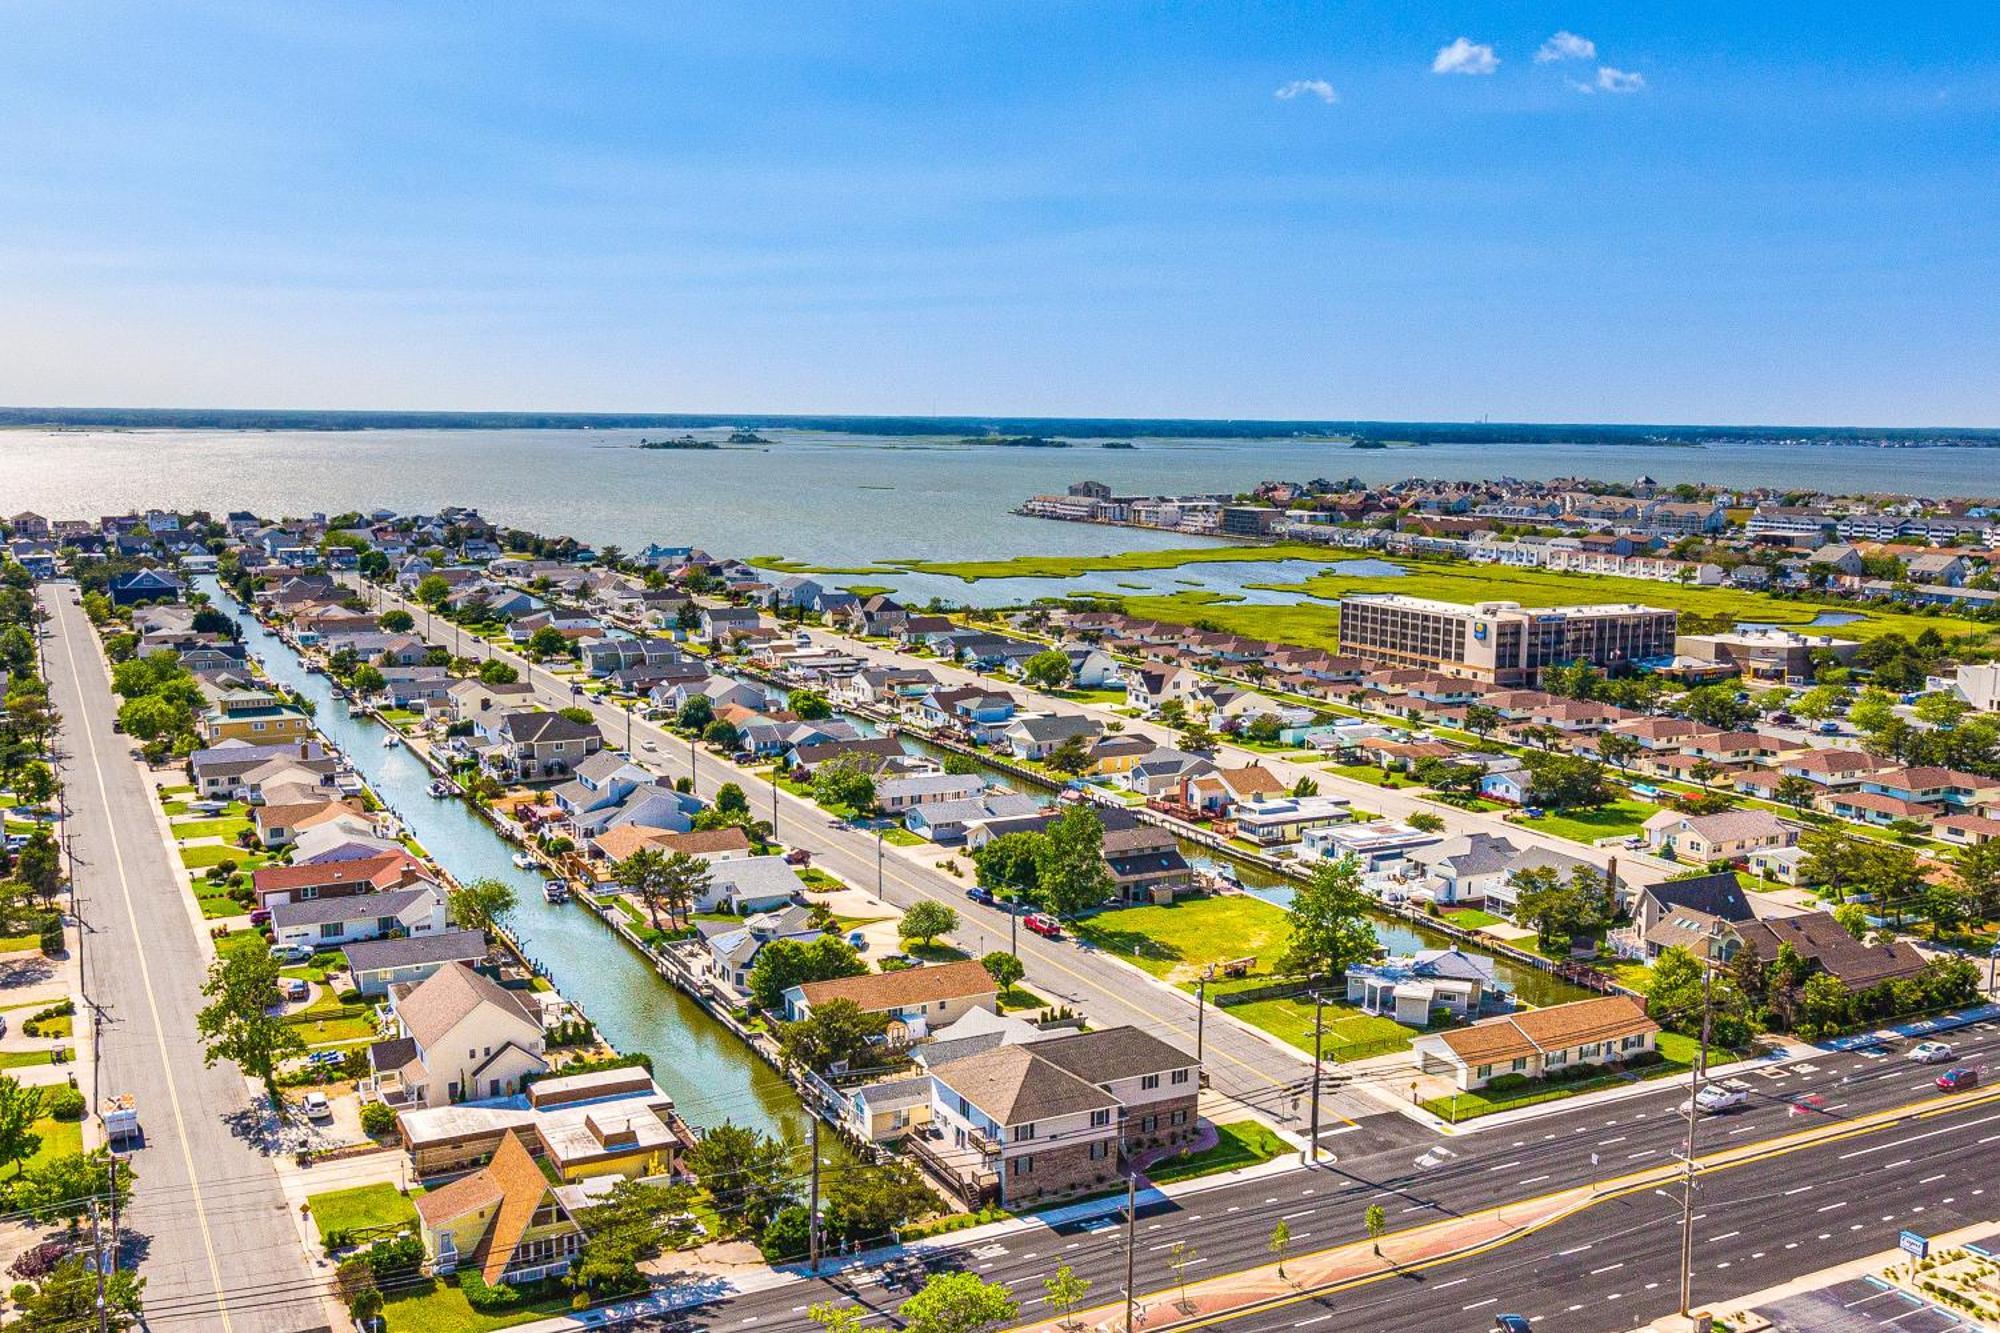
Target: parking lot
{"points": [[1857, 1306]]}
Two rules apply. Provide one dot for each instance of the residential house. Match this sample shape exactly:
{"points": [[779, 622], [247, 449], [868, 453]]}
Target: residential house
{"points": [[275, 884], [258, 716], [1146, 864], [329, 923], [953, 820], [1163, 772], [536, 745], [733, 948], [1728, 836], [459, 1037], [1282, 819], [1151, 688], [377, 964], [1039, 737], [1379, 846], [749, 884], [916, 1000], [1536, 1042], [503, 1220], [144, 585], [1827, 947], [899, 794], [1412, 988]]}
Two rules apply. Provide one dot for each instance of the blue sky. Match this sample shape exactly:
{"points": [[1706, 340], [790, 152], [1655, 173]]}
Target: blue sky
{"points": [[1690, 212]]}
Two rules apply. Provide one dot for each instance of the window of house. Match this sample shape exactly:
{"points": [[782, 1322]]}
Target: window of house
{"points": [[1099, 1151], [1022, 1166], [1483, 1071], [1182, 1075], [329, 930], [1520, 1064], [1022, 1133], [1149, 1082], [1180, 1117], [1098, 1119]]}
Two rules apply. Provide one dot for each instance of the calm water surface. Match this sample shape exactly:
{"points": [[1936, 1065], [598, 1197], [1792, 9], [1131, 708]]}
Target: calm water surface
{"points": [[709, 1074], [830, 499]]}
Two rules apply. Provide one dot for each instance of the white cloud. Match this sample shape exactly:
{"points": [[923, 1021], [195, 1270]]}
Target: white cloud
{"points": [[1465, 56], [1619, 81], [1566, 45], [1319, 88]]}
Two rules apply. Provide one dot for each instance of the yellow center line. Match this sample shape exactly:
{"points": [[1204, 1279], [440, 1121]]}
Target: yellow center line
{"points": [[146, 977]]}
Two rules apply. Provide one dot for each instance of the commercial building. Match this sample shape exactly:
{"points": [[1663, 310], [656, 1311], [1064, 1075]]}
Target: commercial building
{"points": [[1501, 643], [1770, 654]]}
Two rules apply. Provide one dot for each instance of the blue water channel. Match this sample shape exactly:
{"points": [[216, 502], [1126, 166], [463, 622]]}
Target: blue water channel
{"points": [[707, 1071]]}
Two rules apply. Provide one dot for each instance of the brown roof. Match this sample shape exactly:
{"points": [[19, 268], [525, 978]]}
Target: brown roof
{"points": [[298, 813], [1820, 939], [731, 839], [914, 985], [435, 1005], [1113, 1053], [1014, 1086], [1252, 781], [1557, 1028], [512, 1181], [620, 842], [383, 871]]}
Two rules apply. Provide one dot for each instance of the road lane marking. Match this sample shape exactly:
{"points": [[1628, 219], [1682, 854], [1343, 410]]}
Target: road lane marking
{"points": [[146, 977]]}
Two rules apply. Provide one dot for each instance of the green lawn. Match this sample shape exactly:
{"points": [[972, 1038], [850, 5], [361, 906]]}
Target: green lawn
{"points": [[19, 943], [1176, 942], [1471, 918], [20, 1059], [1291, 1020], [1372, 774], [439, 1307], [902, 837], [60, 1138], [1243, 1143], [241, 941], [377, 1205], [201, 858], [1618, 819], [1678, 1050], [1019, 997], [216, 905], [225, 827]]}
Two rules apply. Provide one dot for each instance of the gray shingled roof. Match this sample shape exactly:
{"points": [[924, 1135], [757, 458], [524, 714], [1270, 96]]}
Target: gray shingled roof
{"points": [[444, 946]]}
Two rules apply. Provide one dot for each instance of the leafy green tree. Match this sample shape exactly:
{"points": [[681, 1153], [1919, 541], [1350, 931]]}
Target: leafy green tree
{"points": [[548, 641], [1833, 857], [1280, 1243], [482, 904], [925, 920], [1618, 749], [398, 621], [1005, 969], [722, 734], [39, 864], [1197, 737], [636, 1222], [367, 679], [1797, 792], [696, 712], [1481, 719], [240, 1024], [748, 1175], [1674, 999], [1048, 670], [1873, 711], [1331, 929], [1825, 1006], [835, 1033], [493, 671], [783, 964], [835, 1318], [1717, 706], [20, 1108], [1566, 782], [867, 1206], [433, 591], [1425, 822], [841, 783], [67, 1300], [355, 1286], [1065, 1291], [65, 1185], [1852, 918], [1008, 864], [34, 783], [729, 799], [1069, 756], [1976, 870], [1376, 1221], [810, 705], [956, 1302], [1070, 872]]}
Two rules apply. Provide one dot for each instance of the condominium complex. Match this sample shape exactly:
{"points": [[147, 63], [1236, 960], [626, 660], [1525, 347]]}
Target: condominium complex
{"points": [[1500, 642]]}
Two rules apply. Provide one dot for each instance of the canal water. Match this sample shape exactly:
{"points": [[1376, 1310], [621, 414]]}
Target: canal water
{"points": [[708, 1072]]}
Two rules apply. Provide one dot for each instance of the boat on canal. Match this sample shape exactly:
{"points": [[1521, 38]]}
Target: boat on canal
{"points": [[438, 790], [555, 890], [391, 741], [523, 861]]}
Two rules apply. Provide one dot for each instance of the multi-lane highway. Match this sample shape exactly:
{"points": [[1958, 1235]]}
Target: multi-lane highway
{"points": [[208, 1226]]}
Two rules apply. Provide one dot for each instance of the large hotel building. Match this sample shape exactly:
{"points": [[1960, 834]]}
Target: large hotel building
{"points": [[1502, 643]]}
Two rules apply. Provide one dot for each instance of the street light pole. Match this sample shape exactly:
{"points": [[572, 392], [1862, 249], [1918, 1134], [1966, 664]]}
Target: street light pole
{"points": [[880, 833], [1694, 1118], [1200, 1011], [1319, 1031], [1131, 1242]]}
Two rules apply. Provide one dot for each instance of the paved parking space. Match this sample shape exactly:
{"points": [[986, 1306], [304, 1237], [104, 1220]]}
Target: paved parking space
{"points": [[1858, 1306]]}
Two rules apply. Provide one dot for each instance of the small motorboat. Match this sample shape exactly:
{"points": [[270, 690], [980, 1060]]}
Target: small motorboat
{"points": [[555, 890], [438, 790], [391, 741], [523, 861]]}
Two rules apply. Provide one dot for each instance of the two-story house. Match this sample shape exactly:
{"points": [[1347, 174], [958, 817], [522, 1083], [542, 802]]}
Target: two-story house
{"points": [[916, 1000], [459, 1037]]}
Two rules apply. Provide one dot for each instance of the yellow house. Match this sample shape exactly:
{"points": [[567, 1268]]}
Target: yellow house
{"points": [[256, 716], [1112, 754], [503, 1219]]}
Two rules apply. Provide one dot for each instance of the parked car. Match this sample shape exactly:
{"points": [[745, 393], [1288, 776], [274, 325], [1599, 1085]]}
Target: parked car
{"points": [[1932, 1052], [978, 895], [1958, 1080], [1512, 1323], [294, 988], [1829, 728], [324, 1058], [259, 915], [316, 1106], [291, 953], [1043, 924]]}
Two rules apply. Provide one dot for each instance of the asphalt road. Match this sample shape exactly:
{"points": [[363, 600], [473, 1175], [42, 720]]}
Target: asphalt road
{"points": [[208, 1227], [1616, 1264], [1256, 1070]]}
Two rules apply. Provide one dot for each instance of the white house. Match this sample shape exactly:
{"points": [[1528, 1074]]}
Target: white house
{"points": [[460, 1037], [328, 923]]}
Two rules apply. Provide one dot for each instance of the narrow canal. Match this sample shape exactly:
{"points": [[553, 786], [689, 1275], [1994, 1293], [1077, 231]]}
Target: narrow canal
{"points": [[709, 1074]]}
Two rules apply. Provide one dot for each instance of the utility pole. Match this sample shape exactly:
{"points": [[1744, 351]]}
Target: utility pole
{"points": [[1694, 1118], [691, 776], [880, 833], [774, 800], [1131, 1242], [812, 1212], [1200, 1011], [97, 1262], [1319, 1032]]}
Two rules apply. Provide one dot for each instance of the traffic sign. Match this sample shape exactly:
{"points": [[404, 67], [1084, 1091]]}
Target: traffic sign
{"points": [[1915, 1245]]}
